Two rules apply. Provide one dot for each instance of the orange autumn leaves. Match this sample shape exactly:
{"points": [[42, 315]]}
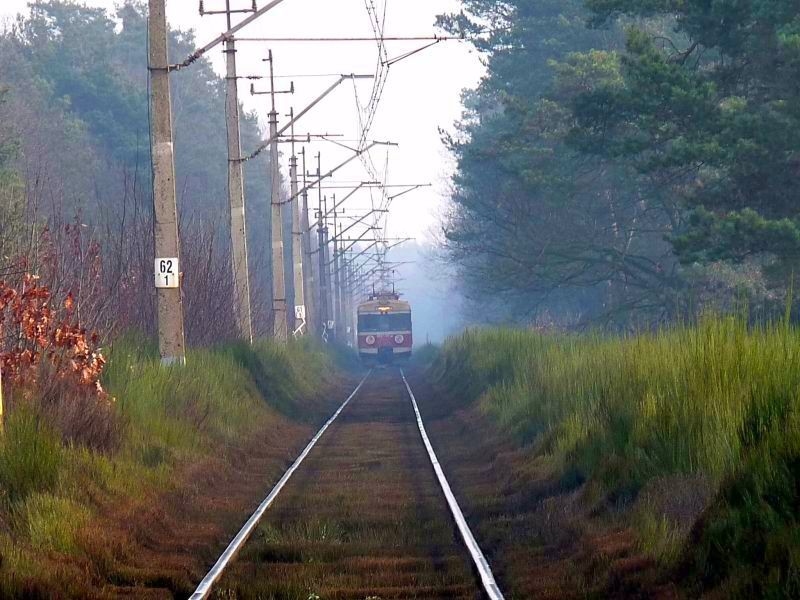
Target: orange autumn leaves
{"points": [[44, 339]]}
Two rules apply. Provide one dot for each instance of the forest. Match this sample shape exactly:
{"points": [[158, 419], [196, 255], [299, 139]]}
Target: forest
{"points": [[627, 163], [622, 164], [75, 171]]}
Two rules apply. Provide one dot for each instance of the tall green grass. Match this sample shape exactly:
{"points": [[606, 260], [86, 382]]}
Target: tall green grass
{"points": [[716, 402], [214, 397], [168, 417], [31, 457]]}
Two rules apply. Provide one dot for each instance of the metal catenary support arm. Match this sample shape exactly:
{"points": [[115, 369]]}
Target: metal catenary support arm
{"points": [[197, 54], [338, 167], [302, 113]]}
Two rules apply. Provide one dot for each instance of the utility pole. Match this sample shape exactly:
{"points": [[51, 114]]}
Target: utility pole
{"points": [[308, 271], [348, 299], [300, 317], [322, 232], [171, 339], [329, 274], [238, 225], [337, 277], [241, 272], [280, 321], [353, 304]]}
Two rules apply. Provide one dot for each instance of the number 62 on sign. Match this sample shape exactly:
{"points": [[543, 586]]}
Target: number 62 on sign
{"points": [[167, 273]]}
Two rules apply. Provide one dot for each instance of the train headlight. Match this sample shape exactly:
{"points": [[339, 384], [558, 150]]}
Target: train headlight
{"points": [[399, 339], [370, 340]]}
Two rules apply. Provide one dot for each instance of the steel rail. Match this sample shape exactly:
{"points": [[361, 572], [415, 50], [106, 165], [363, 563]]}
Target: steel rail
{"points": [[205, 587], [484, 570]]}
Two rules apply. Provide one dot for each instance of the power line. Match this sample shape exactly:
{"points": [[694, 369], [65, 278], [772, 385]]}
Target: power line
{"points": [[301, 75], [381, 40], [366, 112]]}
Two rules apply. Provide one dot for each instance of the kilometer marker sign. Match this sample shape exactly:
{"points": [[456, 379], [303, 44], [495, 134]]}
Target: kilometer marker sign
{"points": [[300, 312], [167, 273]]}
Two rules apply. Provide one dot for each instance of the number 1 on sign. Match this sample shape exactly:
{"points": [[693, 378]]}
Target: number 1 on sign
{"points": [[167, 273]]}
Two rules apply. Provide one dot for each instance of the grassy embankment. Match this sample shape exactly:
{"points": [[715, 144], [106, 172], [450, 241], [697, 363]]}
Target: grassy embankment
{"points": [[694, 432], [161, 421]]}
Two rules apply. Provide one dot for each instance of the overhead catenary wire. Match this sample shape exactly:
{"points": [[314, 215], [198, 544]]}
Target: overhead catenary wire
{"points": [[397, 59], [301, 75], [367, 111], [382, 39], [297, 117], [377, 22]]}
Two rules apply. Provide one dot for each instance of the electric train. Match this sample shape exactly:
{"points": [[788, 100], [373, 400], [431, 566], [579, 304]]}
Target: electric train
{"points": [[384, 329]]}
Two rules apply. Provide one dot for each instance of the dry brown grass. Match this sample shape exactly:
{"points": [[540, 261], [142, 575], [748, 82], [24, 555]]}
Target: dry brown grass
{"points": [[160, 546], [82, 418]]}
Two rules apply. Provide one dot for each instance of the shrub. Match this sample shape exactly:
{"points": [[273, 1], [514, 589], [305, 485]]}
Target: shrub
{"points": [[626, 409], [45, 343], [66, 458], [425, 355], [751, 534], [286, 374]]}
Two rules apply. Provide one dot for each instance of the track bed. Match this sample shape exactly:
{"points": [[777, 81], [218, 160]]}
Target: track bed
{"points": [[363, 517]]}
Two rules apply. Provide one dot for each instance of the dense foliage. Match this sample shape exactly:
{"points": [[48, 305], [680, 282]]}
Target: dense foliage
{"points": [[628, 161]]}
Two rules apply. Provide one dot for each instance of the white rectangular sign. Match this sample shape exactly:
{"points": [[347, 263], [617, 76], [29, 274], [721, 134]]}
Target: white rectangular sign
{"points": [[300, 313], [167, 273]]}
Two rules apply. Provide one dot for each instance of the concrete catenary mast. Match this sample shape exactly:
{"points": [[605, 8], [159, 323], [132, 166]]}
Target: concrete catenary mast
{"points": [[171, 340]]}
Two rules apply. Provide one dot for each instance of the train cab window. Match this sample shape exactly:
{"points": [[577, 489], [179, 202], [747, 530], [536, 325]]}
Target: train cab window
{"points": [[389, 322]]}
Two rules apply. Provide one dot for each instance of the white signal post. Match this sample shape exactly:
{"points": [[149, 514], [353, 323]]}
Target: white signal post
{"points": [[300, 319]]}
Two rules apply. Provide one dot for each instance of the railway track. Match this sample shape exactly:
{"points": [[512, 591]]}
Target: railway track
{"points": [[364, 512]]}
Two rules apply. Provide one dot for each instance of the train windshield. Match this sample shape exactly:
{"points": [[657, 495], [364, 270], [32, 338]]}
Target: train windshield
{"points": [[388, 322]]}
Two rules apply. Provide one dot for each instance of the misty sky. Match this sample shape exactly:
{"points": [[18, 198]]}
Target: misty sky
{"points": [[421, 95]]}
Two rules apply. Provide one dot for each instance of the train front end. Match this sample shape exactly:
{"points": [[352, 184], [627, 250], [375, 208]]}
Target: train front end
{"points": [[385, 332]]}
